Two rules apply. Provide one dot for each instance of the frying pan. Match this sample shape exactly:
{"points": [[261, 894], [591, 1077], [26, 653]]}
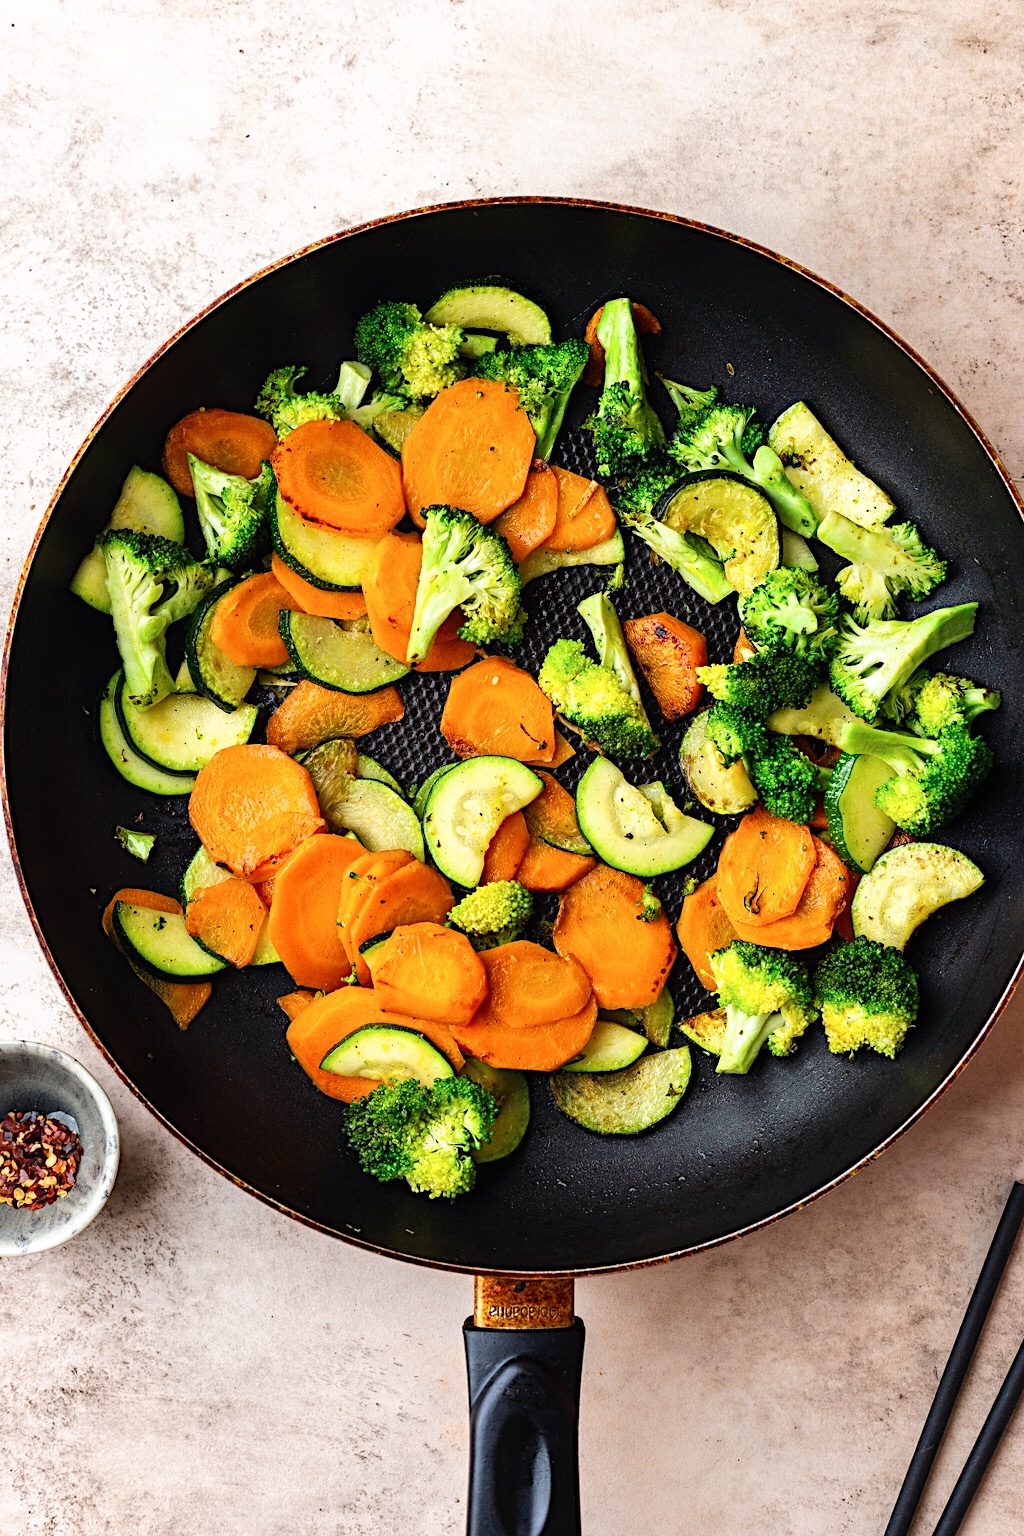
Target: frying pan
{"points": [[740, 1151]]}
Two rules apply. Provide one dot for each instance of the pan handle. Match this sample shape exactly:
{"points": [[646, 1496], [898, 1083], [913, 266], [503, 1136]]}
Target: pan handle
{"points": [[524, 1356]]}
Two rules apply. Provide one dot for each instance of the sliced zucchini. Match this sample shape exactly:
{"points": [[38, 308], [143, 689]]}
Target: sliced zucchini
{"points": [[422, 795], [212, 673], [200, 873], [348, 660], [137, 770], [824, 716], [908, 884], [387, 1054], [610, 1048], [369, 768], [161, 944], [332, 767], [379, 817], [146, 503], [706, 1030], [465, 808], [858, 829], [641, 833], [733, 516], [265, 953], [796, 551], [474, 345], [513, 1095], [655, 1020], [332, 561], [378, 941], [557, 828], [492, 307], [183, 682], [183, 731], [624, 1103], [820, 469], [393, 427], [726, 791], [543, 561]]}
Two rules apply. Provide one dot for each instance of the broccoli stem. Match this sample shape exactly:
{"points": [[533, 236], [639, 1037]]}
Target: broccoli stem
{"points": [[792, 508], [704, 575], [745, 1034], [601, 619]]}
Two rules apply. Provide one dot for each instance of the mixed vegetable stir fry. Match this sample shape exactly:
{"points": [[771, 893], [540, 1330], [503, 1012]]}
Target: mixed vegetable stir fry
{"points": [[388, 525]]}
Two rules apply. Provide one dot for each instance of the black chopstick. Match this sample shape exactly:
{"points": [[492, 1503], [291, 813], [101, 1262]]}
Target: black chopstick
{"points": [[956, 1369], [1000, 1414]]}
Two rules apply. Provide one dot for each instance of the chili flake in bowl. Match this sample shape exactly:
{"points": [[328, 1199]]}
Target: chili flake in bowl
{"points": [[39, 1158]]}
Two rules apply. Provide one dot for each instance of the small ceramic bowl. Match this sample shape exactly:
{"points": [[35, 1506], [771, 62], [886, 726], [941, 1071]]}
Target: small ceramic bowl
{"points": [[38, 1077]]}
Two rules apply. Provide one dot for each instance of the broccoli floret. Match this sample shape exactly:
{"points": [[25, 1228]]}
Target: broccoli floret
{"points": [[867, 994], [423, 1135], [493, 914], [784, 777], [286, 409], [626, 428], [152, 583], [767, 996], [544, 377], [764, 683], [234, 513], [591, 697], [690, 403], [932, 779], [727, 437], [791, 611], [872, 661], [883, 563], [933, 702], [467, 566], [411, 357], [598, 612]]}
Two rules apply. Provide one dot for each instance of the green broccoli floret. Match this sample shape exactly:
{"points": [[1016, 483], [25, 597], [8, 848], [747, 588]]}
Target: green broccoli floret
{"points": [[411, 357], [727, 437], [234, 513], [784, 777], [700, 570], [598, 612], [286, 409], [932, 779], [467, 566], [933, 702], [493, 914], [423, 1135], [626, 428], [641, 492], [764, 683], [544, 377], [152, 583], [883, 563], [791, 611], [872, 661], [592, 698], [767, 996], [690, 403], [867, 994]]}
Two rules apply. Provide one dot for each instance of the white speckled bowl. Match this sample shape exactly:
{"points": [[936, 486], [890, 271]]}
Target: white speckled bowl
{"points": [[39, 1077]]}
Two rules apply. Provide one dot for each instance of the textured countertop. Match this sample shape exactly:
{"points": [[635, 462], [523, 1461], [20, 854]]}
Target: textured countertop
{"points": [[195, 1362]]}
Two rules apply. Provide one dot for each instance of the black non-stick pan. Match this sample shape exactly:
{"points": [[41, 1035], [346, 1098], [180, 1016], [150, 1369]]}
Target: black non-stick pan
{"points": [[740, 1151]]}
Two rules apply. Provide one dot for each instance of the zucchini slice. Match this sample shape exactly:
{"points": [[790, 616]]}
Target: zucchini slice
{"points": [[161, 945], [513, 1095], [146, 503], [137, 770], [332, 561], [639, 831], [858, 829], [492, 307], [820, 469], [379, 817], [393, 427], [543, 561], [202, 872], [655, 1020], [610, 1048], [725, 791], [183, 731], [348, 660], [213, 674], [706, 1030], [908, 884], [369, 768], [466, 806], [422, 795], [624, 1103], [386, 1053], [733, 516]]}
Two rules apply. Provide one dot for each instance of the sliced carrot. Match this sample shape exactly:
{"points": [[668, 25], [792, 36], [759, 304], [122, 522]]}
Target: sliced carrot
{"points": [[843, 925], [264, 890], [528, 986], [763, 868], [228, 919], [584, 515], [311, 714], [183, 999], [552, 816], [303, 922], [229, 441], [361, 879], [668, 653], [293, 1003], [496, 707], [412, 894], [430, 972], [742, 650], [328, 1020], [389, 588], [605, 921], [251, 806], [543, 868], [702, 929], [542, 1049], [245, 622], [310, 599], [472, 448], [646, 324], [506, 849], [823, 899], [332, 472], [531, 519], [564, 751]]}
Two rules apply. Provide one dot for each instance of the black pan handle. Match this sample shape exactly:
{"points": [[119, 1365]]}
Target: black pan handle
{"points": [[524, 1356]]}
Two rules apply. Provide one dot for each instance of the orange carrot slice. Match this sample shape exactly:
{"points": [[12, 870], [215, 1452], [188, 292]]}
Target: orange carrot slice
{"points": [[584, 515], [229, 441], [412, 894], [605, 922], [496, 707], [531, 519], [303, 922], [564, 751], [429, 972], [311, 714], [543, 868], [544, 1048], [389, 588], [506, 849], [763, 868], [820, 905], [332, 472], [328, 1020], [309, 599], [472, 448], [228, 919], [702, 929], [528, 986], [251, 806], [293, 1003], [742, 650], [361, 878], [245, 622], [668, 653]]}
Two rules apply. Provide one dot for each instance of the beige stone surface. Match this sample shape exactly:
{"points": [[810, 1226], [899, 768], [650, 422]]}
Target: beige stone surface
{"points": [[195, 1362]]}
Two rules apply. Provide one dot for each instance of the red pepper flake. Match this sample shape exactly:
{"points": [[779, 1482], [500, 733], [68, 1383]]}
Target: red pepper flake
{"points": [[39, 1159]]}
